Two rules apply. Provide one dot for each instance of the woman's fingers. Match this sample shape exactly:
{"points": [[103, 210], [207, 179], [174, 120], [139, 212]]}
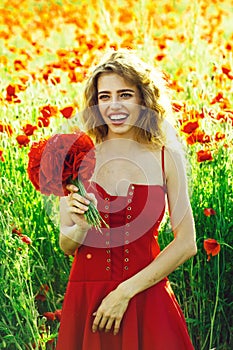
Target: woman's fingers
{"points": [[72, 188]]}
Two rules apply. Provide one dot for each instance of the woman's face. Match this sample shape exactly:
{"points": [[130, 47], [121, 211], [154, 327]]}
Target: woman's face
{"points": [[119, 104]]}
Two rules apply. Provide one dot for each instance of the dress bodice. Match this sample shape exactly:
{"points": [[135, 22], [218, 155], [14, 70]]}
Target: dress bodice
{"points": [[130, 243]]}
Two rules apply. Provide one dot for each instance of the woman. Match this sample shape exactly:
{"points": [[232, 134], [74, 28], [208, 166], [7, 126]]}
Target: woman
{"points": [[118, 295]]}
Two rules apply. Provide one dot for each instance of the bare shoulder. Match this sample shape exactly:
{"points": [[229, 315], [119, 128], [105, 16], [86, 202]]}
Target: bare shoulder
{"points": [[174, 159]]}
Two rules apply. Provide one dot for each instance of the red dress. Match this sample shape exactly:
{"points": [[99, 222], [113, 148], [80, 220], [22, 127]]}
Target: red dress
{"points": [[153, 319]]}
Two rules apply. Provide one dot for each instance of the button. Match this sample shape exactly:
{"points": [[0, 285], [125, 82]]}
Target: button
{"points": [[130, 193], [129, 200], [129, 208], [106, 215], [107, 233], [127, 250], [106, 199], [108, 251], [126, 259], [126, 242], [128, 216], [107, 242], [88, 256], [108, 260], [107, 268], [126, 267], [132, 187], [106, 207], [126, 233], [127, 225]]}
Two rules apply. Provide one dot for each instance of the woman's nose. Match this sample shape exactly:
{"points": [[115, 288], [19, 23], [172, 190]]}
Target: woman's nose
{"points": [[115, 103]]}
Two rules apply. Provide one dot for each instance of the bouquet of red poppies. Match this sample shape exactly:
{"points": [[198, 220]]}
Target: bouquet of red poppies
{"points": [[60, 160]]}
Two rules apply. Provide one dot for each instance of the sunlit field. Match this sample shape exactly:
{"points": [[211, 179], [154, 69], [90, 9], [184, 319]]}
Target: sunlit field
{"points": [[46, 51]]}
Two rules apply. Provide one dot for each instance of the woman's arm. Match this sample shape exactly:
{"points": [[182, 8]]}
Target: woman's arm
{"points": [[73, 225], [183, 245], [176, 253]]}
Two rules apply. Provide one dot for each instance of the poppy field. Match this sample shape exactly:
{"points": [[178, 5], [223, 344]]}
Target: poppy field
{"points": [[46, 51]]}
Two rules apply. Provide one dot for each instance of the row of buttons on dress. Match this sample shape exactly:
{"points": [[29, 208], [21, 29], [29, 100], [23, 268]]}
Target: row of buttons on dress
{"points": [[127, 233]]}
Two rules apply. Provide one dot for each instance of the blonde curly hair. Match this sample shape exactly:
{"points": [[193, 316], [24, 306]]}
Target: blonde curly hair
{"points": [[153, 92]]}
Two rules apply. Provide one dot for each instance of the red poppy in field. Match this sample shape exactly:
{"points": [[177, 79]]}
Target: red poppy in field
{"points": [[178, 106], [10, 90], [209, 211], [58, 314], [29, 129], [26, 239], [17, 232], [11, 95], [6, 128], [43, 122], [204, 155], [160, 57], [67, 112], [49, 315], [1, 156], [48, 111], [189, 126], [23, 140], [197, 136], [44, 288], [212, 247], [218, 98], [219, 136], [226, 69], [40, 297], [20, 65]]}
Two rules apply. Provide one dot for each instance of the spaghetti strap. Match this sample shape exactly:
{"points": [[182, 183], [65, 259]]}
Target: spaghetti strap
{"points": [[163, 168]]}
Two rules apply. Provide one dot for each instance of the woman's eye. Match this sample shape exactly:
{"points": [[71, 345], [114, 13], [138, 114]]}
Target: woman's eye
{"points": [[126, 95], [103, 97]]}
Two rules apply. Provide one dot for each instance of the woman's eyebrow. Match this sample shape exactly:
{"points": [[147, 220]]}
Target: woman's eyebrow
{"points": [[120, 91]]}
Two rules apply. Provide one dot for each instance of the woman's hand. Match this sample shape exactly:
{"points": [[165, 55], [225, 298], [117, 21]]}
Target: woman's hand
{"points": [[78, 205], [111, 311]]}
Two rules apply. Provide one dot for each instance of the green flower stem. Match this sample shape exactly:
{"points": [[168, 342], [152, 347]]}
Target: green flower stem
{"points": [[92, 215], [227, 245], [216, 303]]}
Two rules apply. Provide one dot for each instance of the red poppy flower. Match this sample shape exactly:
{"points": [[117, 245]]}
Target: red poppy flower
{"points": [[67, 112], [218, 98], [60, 160], [212, 247], [29, 129], [6, 128], [177, 106], [198, 136], [204, 155], [17, 232], [189, 126], [54, 162], [49, 315], [226, 69], [22, 140], [43, 122], [40, 297], [58, 314], [1, 156], [48, 111], [10, 90], [26, 239], [44, 288], [219, 136], [209, 211]]}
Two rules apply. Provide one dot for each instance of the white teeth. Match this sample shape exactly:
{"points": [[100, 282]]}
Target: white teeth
{"points": [[118, 116]]}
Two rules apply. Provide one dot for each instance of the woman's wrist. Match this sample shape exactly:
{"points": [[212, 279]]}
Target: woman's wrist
{"points": [[126, 290]]}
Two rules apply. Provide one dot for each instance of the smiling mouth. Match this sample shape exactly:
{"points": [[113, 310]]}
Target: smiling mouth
{"points": [[118, 118]]}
